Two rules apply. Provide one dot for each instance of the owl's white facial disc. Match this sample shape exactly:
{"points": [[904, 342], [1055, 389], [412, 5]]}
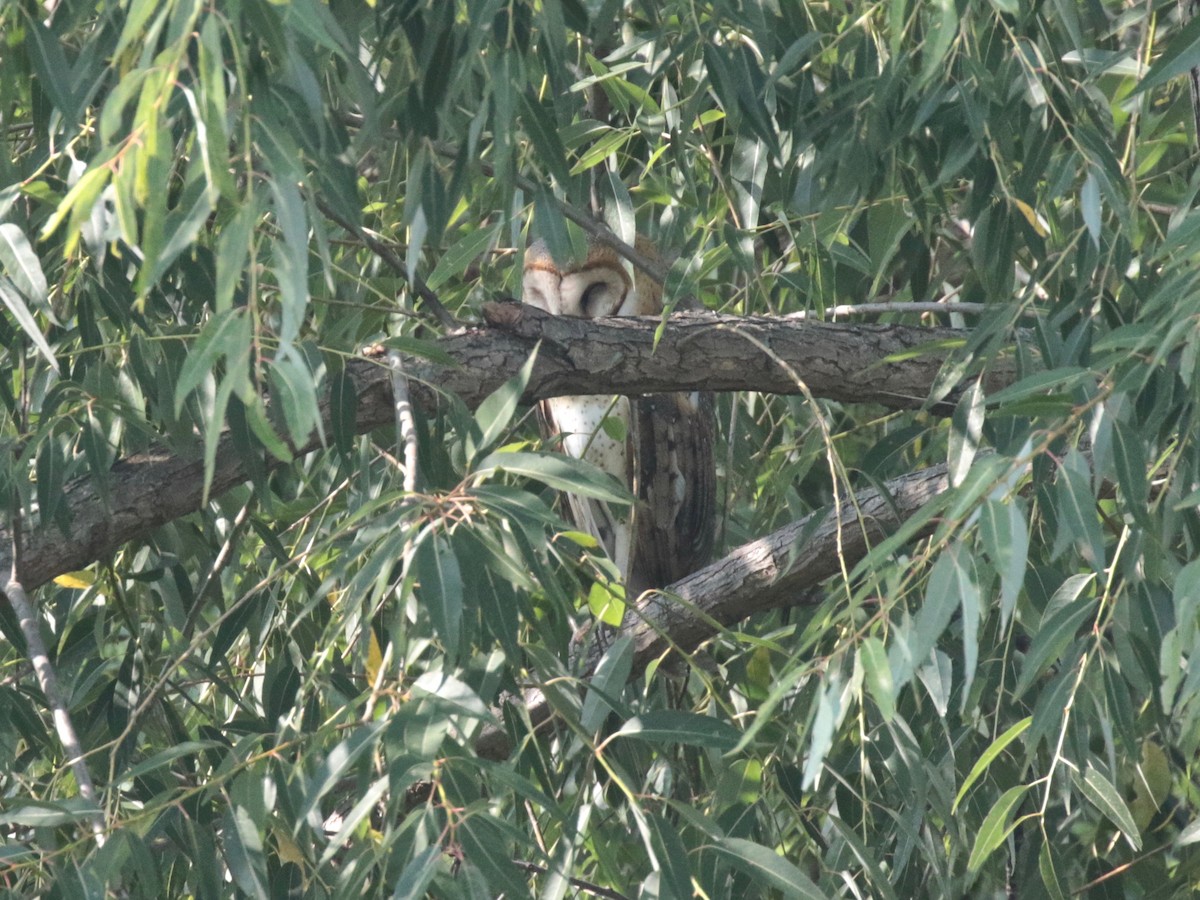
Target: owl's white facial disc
{"points": [[540, 288], [594, 292]]}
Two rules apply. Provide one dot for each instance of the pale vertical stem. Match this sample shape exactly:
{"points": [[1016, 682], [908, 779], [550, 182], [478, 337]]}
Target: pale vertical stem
{"points": [[406, 426], [48, 681]]}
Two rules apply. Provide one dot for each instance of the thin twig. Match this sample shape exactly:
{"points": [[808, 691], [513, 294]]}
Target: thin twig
{"points": [[579, 883], [384, 252], [48, 681]]}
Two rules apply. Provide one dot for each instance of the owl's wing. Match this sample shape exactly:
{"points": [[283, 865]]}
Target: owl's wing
{"points": [[676, 487], [578, 420]]}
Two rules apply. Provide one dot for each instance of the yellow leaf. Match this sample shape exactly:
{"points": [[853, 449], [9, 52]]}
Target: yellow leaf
{"points": [[1036, 222], [374, 659], [374, 651], [77, 580]]}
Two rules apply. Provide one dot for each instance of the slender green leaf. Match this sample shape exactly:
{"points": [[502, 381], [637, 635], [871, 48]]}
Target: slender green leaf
{"points": [[989, 755], [31, 813], [767, 868], [440, 588], [225, 335], [612, 672], [1078, 519], [456, 259], [243, 845], [495, 413], [417, 875], [873, 658], [1089, 206], [669, 726], [828, 712], [1006, 540], [1182, 54], [673, 866], [997, 825], [16, 305], [966, 433], [1100, 791], [1062, 378], [561, 472], [879, 881], [949, 583], [487, 846], [22, 266], [367, 804], [336, 763], [1051, 641], [1047, 869]]}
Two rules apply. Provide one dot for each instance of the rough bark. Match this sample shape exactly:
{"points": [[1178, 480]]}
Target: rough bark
{"points": [[857, 363], [769, 573]]}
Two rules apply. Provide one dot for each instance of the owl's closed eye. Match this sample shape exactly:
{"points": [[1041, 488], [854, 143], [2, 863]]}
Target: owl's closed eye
{"points": [[598, 299], [598, 287]]}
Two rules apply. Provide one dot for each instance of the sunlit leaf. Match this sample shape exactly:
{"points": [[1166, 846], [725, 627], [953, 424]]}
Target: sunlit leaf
{"points": [[965, 433], [22, 266], [607, 602], [495, 413], [24, 316], [1089, 206]]}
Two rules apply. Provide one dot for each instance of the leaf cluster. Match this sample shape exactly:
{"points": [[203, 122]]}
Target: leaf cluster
{"points": [[207, 209]]}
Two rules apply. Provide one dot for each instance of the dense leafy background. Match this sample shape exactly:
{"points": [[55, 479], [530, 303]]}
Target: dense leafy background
{"points": [[202, 204]]}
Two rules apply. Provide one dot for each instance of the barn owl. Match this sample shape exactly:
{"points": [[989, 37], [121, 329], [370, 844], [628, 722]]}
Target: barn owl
{"points": [[662, 449]]}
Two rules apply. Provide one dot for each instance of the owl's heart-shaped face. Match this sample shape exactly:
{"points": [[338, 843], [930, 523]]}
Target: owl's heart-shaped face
{"points": [[598, 287], [589, 293]]}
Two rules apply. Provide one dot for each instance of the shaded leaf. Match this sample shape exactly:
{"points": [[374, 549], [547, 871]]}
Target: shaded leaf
{"points": [[768, 868], [1100, 791], [558, 471], [996, 826], [440, 588], [989, 755], [669, 726], [1182, 54], [873, 658]]}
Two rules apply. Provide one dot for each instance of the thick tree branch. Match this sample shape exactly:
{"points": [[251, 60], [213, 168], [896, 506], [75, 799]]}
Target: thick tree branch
{"points": [[768, 573], [880, 364]]}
